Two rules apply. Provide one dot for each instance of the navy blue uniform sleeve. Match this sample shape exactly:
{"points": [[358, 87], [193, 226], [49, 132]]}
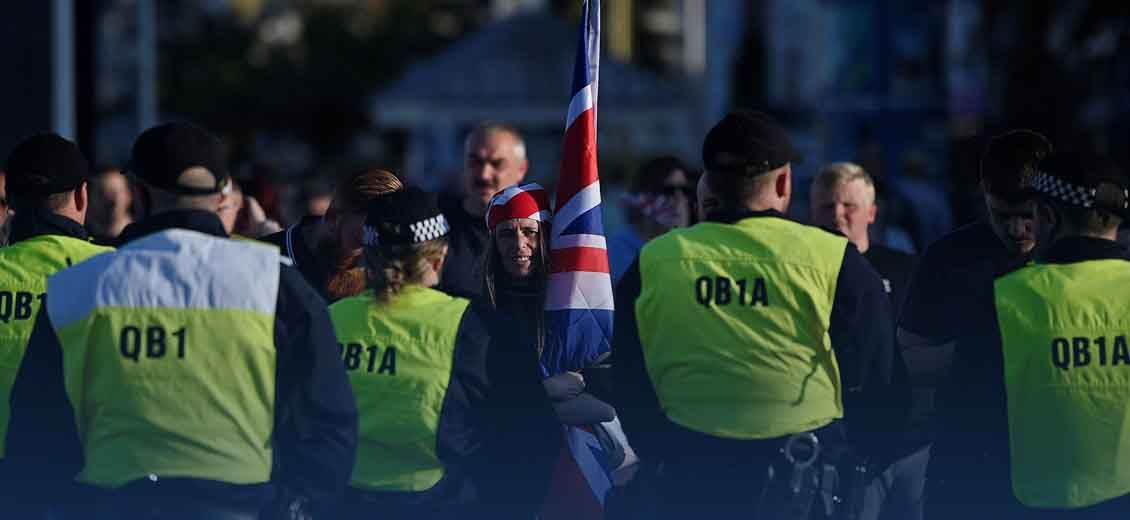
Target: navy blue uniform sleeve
{"points": [[316, 415], [927, 305], [635, 399], [43, 448], [457, 438], [861, 327], [862, 334]]}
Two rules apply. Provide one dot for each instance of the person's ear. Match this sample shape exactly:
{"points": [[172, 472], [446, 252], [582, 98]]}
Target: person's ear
{"points": [[784, 183], [872, 213], [437, 262], [82, 198]]}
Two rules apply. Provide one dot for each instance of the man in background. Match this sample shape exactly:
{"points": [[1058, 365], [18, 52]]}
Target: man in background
{"points": [[659, 200], [843, 200], [111, 202], [494, 158]]}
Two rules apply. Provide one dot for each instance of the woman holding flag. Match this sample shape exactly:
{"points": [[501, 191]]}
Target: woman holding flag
{"points": [[515, 274]]}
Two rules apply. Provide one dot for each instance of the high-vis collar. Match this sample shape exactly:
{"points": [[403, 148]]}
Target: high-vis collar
{"points": [[182, 257]]}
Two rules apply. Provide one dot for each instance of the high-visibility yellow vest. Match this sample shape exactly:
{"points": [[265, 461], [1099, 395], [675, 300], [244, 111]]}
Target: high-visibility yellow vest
{"points": [[1064, 334], [734, 321], [169, 358], [399, 357], [24, 268]]}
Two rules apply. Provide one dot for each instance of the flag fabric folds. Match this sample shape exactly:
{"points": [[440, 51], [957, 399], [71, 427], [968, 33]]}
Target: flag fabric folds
{"points": [[579, 292], [578, 306]]}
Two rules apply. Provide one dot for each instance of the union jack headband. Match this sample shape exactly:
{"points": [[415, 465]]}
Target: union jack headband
{"points": [[526, 201]]}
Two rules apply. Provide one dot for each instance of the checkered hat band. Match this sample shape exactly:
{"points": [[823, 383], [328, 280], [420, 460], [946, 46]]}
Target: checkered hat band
{"points": [[422, 231], [1057, 188], [429, 229]]}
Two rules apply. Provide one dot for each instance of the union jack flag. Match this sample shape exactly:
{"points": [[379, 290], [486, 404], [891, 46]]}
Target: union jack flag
{"points": [[579, 293]]}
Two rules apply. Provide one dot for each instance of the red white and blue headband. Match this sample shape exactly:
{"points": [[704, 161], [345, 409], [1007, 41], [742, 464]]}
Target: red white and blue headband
{"points": [[526, 201]]}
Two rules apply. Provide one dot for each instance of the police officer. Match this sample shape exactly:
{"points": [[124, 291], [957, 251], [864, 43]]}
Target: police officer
{"points": [[737, 333], [414, 359], [1063, 352], [47, 182], [185, 375]]}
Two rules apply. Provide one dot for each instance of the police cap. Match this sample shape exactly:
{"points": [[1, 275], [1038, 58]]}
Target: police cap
{"points": [[404, 217], [1084, 180], [747, 142], [45, 164], [162, 154]]}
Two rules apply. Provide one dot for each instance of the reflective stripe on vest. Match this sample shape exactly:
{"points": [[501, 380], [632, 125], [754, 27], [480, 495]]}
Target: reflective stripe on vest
{"points": [[24, 268], [734, 325], [169, 358], [399, 357], [1064, 333]]}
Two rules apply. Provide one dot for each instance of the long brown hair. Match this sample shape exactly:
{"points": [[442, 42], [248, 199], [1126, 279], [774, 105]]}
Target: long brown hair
{"points": [[493, 269], [351, 197]]}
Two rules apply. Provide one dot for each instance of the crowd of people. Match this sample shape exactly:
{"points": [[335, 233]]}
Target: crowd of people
{"points": [[169, 351]]}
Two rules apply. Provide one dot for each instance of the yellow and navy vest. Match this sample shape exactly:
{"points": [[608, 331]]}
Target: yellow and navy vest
{"points": [[399, 356], [24, 268], [169, 358], [734, 322], [1064, 334]]}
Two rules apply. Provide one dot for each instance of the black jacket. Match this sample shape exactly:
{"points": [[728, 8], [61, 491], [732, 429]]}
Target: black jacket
{"points": [[520, 432], [292, 244], [315, 432], [862, 337], [466, 245]]}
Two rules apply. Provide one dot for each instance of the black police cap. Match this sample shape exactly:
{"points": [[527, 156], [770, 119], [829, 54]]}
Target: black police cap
{"points": [[161, 155], [747, 142], [403, 217], [1084, 180], [45, 164]]}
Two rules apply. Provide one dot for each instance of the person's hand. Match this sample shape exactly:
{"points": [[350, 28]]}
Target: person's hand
{"points": [[565, 385], [257, 222]]}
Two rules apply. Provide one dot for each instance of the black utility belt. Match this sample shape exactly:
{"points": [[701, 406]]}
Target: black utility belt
{"points": [[813, 479]]}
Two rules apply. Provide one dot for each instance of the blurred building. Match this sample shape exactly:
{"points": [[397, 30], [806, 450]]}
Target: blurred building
{"points": [[519, 70]]}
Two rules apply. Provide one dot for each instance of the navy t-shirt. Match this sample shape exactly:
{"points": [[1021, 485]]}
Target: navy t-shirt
{"points": [[895, 268], [950, 299], [953, 273]]}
